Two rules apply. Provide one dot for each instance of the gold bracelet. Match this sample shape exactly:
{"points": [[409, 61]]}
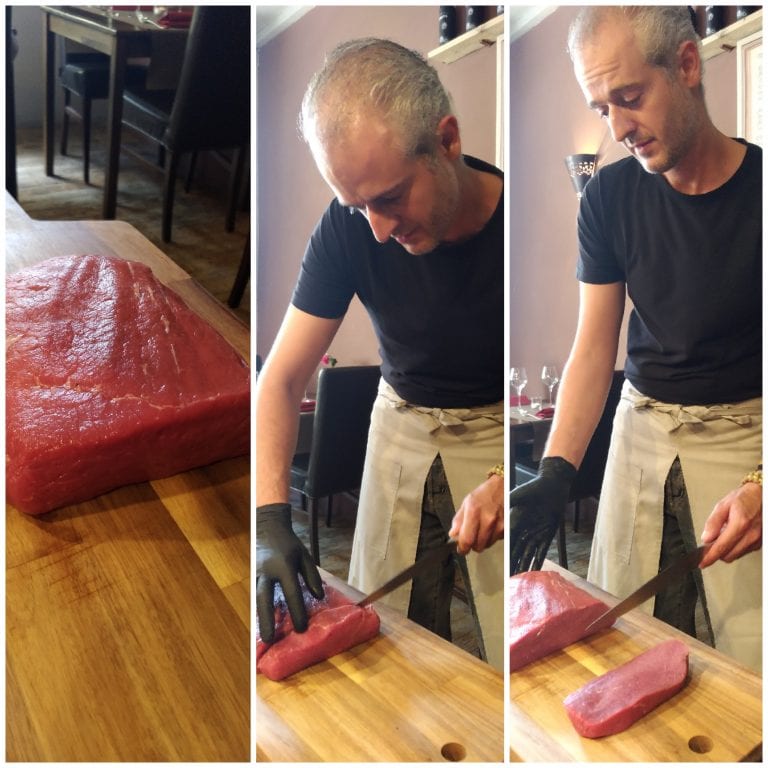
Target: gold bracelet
{"points": [[754, 477], [497, 470]]}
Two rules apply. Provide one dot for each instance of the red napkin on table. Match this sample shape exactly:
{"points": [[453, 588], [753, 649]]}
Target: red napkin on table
{"points": [[175, 19], [546, 413], [522, 400]]}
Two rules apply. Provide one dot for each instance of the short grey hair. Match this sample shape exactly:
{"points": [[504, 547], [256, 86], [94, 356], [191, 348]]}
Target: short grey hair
{"points": [[378, 76], [660, 29]]}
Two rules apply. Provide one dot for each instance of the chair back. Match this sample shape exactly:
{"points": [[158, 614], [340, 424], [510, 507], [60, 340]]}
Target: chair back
{"points": [[212, 106], [589, 478], [340, 433]]}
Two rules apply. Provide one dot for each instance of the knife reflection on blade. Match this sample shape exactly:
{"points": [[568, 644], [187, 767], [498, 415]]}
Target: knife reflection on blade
{"points": [[429, 559], [686, 563]]}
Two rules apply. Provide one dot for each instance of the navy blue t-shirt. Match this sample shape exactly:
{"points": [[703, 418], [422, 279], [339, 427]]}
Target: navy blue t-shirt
{"points": [[439, 316], [693, 269]]}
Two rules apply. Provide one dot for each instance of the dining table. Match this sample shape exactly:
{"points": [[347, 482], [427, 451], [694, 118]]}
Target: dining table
{"points": [[122, 35], [128, 616], [716, 718], [407, 695]]}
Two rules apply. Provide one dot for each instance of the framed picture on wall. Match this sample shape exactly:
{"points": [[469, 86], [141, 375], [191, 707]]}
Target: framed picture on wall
{"points": [[749, 79]]}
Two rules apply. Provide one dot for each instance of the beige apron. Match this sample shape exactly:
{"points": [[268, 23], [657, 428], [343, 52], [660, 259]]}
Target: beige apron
{"points": [[717, 446], [402, 444]]}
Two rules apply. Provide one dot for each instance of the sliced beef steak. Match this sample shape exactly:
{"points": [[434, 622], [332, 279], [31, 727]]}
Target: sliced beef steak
{"points": [[546, 613], [111, 379], [612, 702], [335, 625]]}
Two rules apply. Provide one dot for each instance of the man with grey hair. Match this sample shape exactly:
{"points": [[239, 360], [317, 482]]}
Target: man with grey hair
{"points": [[416, 232], [677, 226]]}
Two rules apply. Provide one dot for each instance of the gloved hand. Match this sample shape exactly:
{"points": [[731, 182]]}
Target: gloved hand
{"points": [[535, 511], [280, 558]]}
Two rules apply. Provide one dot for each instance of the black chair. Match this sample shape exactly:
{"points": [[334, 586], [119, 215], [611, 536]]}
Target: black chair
{"points": [[334, 465], [243, 274], [86, 75], [210, 109], [589, 478], [11, 179]]}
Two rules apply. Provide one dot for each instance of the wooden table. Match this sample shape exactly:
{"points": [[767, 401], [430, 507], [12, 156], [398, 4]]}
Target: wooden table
{"points": [[405, 696], [120, 37], [127, 617], [717, 717]]}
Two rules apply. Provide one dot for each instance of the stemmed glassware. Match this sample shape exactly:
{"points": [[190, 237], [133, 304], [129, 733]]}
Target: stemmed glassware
{"points": [[550, 377], [518, 378]]}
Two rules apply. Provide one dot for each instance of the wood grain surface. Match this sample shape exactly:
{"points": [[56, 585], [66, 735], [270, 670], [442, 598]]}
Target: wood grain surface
{"points": [[717, 717], [127, 616], [405, 696]]}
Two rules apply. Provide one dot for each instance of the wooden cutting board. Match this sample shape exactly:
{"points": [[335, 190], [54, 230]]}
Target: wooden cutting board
{"points": [[717, 717], [405, 696]]}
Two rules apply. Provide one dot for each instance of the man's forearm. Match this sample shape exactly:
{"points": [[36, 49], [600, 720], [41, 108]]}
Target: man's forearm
{"points": [[277, 419], [580, 403]]}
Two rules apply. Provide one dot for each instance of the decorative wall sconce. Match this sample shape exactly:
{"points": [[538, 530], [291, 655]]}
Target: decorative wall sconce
{"points": [[581, 168]]}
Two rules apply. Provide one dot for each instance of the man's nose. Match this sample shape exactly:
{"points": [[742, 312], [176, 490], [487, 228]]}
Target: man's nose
{"points": [[621, 123], [382, 225]]}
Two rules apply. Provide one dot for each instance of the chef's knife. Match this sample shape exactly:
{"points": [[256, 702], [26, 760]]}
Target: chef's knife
{"points": [[663, 579], [426, 561]]}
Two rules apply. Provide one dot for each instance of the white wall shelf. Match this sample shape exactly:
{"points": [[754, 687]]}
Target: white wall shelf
{"points": [[725, 40]]}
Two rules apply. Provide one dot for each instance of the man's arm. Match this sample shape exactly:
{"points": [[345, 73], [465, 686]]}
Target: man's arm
{"points": [[300, 344], [588, 371], [536, 507], [280, 556]]}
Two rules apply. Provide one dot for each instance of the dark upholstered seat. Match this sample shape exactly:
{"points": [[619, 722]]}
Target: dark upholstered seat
{"points": [[210, 109], [339, 439], [86, 75]]}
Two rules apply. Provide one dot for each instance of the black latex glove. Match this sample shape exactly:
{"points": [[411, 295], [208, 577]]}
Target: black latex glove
{"points": [[535, 511], [280, 558]]}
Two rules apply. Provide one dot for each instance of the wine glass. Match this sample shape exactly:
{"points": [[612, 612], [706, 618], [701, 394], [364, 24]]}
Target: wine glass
{"points": [[550, 377], [518, 378]]}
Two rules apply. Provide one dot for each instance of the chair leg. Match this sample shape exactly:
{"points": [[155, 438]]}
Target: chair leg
{"points": [[241, 279], [329, 511], [236, 180], [576, 516], [171, 166], [314, 538], [86, 140], [65, 123]]}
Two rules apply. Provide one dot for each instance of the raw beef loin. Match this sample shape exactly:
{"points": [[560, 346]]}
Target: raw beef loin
{"points": [[111, 379], [546, 613], [612, 702], [335, 624]]}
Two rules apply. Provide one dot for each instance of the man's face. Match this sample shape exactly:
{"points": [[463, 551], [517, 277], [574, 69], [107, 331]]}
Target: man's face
{"points": [[655, 117], [411, 200]]}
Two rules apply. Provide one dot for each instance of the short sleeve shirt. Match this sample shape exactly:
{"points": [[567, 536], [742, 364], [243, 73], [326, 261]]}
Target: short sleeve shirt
{"points": [[692, 265], [438, 317]]}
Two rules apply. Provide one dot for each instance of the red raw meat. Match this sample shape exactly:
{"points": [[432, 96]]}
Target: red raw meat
{"points": [[547, 613], [336, 624], [111, 379], [612, 702]]}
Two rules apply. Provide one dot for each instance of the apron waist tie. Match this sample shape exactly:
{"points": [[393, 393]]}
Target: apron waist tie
{"points": [[692, 414], [445, 417]]}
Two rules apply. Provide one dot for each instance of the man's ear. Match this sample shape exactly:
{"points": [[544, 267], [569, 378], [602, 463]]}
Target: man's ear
{"points": [[689, 64], [449, 140]]}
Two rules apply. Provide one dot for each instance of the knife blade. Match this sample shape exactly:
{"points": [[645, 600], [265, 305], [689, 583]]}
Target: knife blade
{"points": [[429, 559], [686, 563]]}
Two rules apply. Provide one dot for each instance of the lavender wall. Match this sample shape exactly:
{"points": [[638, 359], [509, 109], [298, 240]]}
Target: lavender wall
{"points": [[291, 193], [549, 120]]}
